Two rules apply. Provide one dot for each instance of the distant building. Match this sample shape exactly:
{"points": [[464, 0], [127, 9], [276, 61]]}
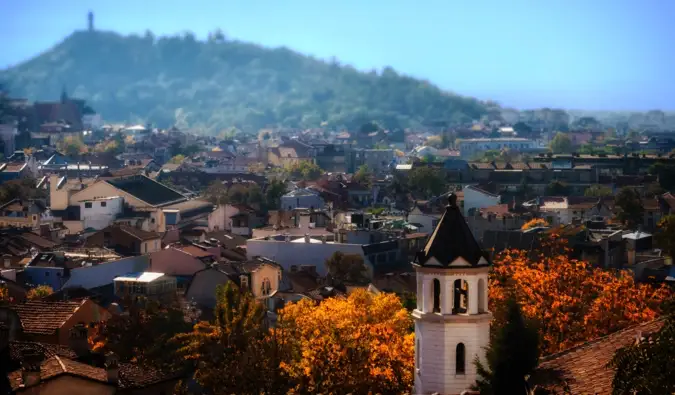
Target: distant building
{"points": [[151, 285], [301, 198], [471, 147]]}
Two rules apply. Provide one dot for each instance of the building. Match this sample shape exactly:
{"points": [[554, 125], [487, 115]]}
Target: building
{"points": [[151, 285], [377, 160], [47, 268], [452, 321], [301, 198], [100, 212], [291, 152], [470, 147], [125, 239], [8, 133], [476, 198], [25, 214]]}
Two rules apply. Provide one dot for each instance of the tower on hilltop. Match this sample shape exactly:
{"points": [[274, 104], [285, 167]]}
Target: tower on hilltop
{"points": [[90, 20], [452, 321]]}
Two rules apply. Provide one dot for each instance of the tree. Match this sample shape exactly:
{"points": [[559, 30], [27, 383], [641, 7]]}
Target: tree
{"points": [[561, 144], [39, 292], [71, 146], [572, 301], [522, 129], [665, 173], [427, 181], [216, 193], [630, 207], [653, 190], [143, 334], [598, 191], [275, 190], [511, 357], [557, 188], [236, 342], [363, 176], [536, 222], [177, 159], [646, 367], [360, 344], [23, 189], [665, 235], [305, 170], [349, 268], [435, 141]]}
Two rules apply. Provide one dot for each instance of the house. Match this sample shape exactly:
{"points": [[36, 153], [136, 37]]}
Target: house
{"points": [[261, 275], [424, 216], [104, 274], [177, 263], [25, 214], [476, 197], [50, 322], [47, 268], [585, 367], [126, 240], [151, 285], [99, 213], [241, 219], [42, 368], [301, 198], [16, 292], [377, 160], [290, 152], [14, 171], [471, 147]]}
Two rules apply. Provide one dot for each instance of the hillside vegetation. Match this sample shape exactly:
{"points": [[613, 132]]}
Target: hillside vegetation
{"points": [[220, 83]]}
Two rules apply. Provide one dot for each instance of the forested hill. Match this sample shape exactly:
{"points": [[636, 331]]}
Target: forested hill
{"points": [[220, 83]]}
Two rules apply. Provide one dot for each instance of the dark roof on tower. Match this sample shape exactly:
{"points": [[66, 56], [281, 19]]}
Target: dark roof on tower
{"points": [[452, 239]]}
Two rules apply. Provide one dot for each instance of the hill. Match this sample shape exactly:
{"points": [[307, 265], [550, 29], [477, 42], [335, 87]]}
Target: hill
{"points": [[220, 83]]}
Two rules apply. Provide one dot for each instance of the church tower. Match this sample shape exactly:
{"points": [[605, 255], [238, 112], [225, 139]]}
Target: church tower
{"points": [[452, 321]]}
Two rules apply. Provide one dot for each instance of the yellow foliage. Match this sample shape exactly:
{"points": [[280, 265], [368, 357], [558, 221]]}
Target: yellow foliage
{"points": [[359, 344], [39, 292], [534, 223]]}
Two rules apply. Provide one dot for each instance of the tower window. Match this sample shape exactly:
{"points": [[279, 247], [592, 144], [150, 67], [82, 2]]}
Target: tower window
{"points": [[437, 296], [461, 297], [460, 358], [417, 354]]}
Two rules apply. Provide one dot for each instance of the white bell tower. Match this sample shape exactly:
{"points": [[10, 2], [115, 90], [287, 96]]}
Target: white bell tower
{"points": [[452, 321]]}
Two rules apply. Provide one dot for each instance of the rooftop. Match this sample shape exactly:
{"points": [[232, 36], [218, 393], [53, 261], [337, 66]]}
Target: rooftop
{"points": [[144, 277], [147, 190], [44, 318]]}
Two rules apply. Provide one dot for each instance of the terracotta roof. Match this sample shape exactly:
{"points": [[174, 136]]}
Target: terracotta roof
{"points": [[139, 234], [195, 251], [44, 318], [585, 366]]}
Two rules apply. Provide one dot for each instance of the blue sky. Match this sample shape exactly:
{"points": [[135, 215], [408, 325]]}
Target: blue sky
{"points": [[581, 54]]}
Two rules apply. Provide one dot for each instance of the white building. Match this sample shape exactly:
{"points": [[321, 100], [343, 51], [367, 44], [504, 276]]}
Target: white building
{"points": [[301, 198], [424, 218], [477, 198], [471, 147], [100, 212], [452, 321], [8, 133]]}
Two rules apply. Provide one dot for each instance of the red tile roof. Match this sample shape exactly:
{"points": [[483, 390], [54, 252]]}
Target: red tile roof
{"points": [[44, 318], [195, 251], [585, 366]]}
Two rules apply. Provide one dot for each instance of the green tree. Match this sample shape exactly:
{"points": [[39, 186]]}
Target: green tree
{"points": [[435, 141], [426, 180], [236, 343], [305, 170], [23, 189], [557, 188], [511, 357], [561, 144], [630, 207], [216, 193], [646, 367], [71, 146], [349, 268], [665, 173], [363, 175], [275, 190], [665, 235], [522, 129], [598, 190]]}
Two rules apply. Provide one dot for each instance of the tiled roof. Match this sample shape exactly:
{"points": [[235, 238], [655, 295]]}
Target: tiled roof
{"points": [[139, 234], [147, 190], [585, 366], [195, 251], [44, 318]]}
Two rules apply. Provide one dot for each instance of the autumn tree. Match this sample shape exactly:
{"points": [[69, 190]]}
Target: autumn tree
{"points": [[4, 295], [665, 235], [572, 301], [598, 191], [363, 175], [426, 180], [533, 223], [561, 144], [234, 354], [646, 367], [630, 207], [360, 344], [349, 268], [305, 170], [177, 159], [512, 355], [216, 193], [71, 146], [39, 292]]}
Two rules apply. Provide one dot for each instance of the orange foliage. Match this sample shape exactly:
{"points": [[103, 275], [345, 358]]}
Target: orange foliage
{"points": [[360, 344], [572, 301], [39, 292], [533, 223], [4, 294]]}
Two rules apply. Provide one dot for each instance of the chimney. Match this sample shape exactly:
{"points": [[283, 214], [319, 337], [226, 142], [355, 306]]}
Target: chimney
{"points": [[78, 340], [112, 367], [30, 368], [307, 238]]}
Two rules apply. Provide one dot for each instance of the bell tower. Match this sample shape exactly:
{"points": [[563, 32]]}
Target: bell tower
{"points": [[452, 321]]}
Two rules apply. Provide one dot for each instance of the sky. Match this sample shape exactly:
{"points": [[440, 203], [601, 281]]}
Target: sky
{"points": [[573, 54]]}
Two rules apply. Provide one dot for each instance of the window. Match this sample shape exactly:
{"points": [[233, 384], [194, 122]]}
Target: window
{"points": [[87, 204], [243, 280], [437, 296], [145, 247], [103, 204], [460, 297], [460, 357], [417, 354], [434, 222], [46, 274]]}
